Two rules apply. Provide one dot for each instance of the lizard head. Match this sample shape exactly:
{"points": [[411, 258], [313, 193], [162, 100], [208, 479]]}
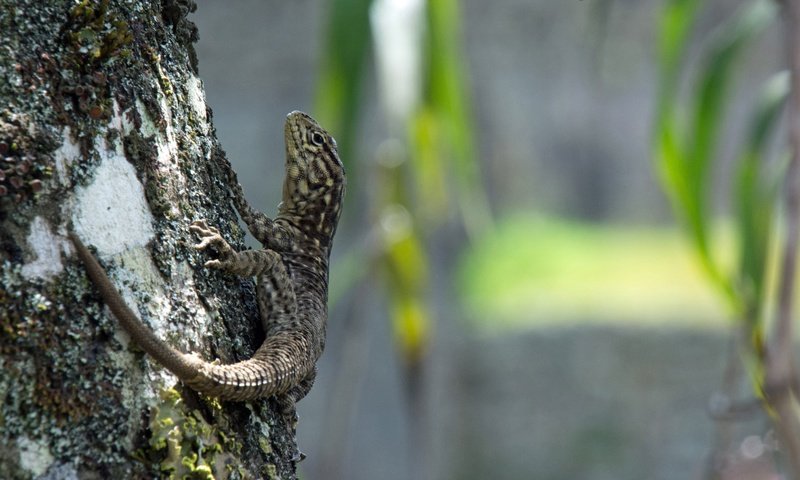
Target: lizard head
{"points": [[315, 178]]}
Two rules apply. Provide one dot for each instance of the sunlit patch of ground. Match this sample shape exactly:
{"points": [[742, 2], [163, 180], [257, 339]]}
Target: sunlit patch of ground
{"points": [[536, 271]]}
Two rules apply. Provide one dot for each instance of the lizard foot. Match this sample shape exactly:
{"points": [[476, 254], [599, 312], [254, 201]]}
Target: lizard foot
{"points": [[210, 236]]}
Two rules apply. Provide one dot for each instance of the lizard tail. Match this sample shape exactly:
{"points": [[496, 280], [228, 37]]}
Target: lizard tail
{"points": [[273, 370], [184, 366]]}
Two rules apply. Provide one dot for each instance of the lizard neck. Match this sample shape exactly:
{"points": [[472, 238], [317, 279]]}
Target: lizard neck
{"points": [[315, 214]]}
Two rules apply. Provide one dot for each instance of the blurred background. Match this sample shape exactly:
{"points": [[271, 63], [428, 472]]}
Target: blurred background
{"points": [[513, 291]]}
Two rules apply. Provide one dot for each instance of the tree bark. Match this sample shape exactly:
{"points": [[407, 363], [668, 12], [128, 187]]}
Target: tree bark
{"points": [[104, 129]]}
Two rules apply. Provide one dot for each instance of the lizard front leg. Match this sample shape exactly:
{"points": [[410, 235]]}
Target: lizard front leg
{"points": [[248, 263], [275, 293]]}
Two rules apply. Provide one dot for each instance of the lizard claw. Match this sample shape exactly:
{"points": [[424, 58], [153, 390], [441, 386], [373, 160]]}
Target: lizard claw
{"points": [[204, 243], [201, 228], [210, 236]]}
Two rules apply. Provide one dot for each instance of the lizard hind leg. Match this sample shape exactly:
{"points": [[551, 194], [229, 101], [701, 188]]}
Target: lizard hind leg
{"points": [[287, 402]]}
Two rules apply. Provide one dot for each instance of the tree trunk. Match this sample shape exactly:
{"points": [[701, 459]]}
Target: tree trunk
{"points": [[104, 127]]}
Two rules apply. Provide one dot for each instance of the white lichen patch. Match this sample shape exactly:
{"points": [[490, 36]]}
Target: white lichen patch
{"points": [[112, 213], [197, 99], [141, 275], [46, 249], [169, 130], [166, 152], [34, 455], [148, 126], [68, 152]]}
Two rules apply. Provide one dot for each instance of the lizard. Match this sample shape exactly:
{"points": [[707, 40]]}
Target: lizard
{"points": [[291, 273]]}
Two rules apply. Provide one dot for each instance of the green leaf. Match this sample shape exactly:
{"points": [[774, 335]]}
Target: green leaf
{"points": [[755, 194], [446, 92], [406, 270], [429, 168], [710, 102], [344, 57], [675, 21], [715, 81], [686, 156]]}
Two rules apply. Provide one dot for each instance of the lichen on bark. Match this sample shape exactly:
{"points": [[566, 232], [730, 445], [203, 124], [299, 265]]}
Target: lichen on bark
{"points": [[103, 126]]}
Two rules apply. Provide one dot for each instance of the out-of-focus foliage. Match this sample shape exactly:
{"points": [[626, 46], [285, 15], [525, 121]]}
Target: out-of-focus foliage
{"points": [[685, 141], [347, 45], [685, 145], [446, 114], [429, 159], [755, 193]]}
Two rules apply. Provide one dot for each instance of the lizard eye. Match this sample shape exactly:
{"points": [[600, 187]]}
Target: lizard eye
{"points": [[317, 139]]}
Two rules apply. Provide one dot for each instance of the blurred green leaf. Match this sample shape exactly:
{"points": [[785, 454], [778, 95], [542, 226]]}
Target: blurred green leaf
{"points": [[756, 193], [675, 22], [441, 142], [669, 149], [338, 94], [448, 98], [411, 325], [347, 45], [685, 156], [429, 170], [407, 273], [717, 75]]}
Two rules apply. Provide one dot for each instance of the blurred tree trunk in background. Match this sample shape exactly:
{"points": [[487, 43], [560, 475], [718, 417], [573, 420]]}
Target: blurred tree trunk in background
{"points": [[103, 125], [781, 383]]}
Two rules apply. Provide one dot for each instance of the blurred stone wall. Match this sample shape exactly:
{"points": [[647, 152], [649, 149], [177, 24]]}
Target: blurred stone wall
{"points": [[588, 403]]}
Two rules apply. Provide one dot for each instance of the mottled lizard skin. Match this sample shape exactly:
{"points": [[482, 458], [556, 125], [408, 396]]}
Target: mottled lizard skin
{"points": [[291, 273]]}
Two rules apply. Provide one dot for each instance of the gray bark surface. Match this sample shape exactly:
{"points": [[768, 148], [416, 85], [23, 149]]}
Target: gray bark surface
{"points": [[104, 126]]}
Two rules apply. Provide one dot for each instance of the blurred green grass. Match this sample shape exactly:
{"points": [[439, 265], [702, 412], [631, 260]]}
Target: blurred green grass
{"points": [[541, 271]]}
